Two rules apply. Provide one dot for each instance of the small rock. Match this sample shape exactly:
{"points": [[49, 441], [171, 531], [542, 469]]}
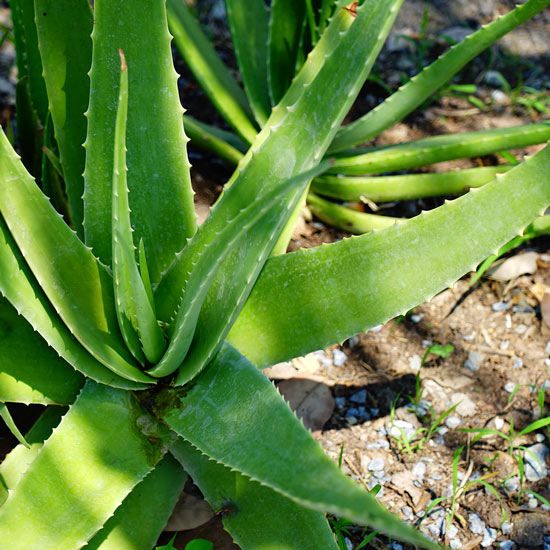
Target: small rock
{"points": [[436, 477], [547, 362], [426, 343], [466, 407], [353, 341], [402, 427], [523, 309], [499, 423], [499, 97], [377, 328], [546, 543], [493, 78], [504, 345], [374, 412], [540, 438], [506, 528], [508, 321], [452, 422], [419, 470], [476, 524], [530, 528], [455, 543], [532, 503], [500, 306], [474, 361], [517, 363], [396, 546], [509, 387], [407, 512], [535, 462], [453, 531], [547, 348], [322, 358], [338, 357], [469, 337], [437, 527], [352, 411], [489, 536], [520, 329], [417, 318], [359, 397], [512, 484], [376, 465], [340, 402], [415, 362], [507, 544]]}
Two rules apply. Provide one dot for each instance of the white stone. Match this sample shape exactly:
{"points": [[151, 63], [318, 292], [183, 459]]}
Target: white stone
{"points": [[452, 422], [338, 357], [376, 465]]}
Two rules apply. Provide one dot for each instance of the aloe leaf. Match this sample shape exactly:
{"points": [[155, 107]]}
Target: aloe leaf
{"points": [[215, 416], [18, 285], [436, 149], [248, 23], [417, 90], [8, 420], [203, 261], [135, 312], [213, 76], [28, 55], [64, 29], [113, 452], [18, 460], [140, 519], [249, 507], [30, 371], [410, 186], [335, 291], [285, 26], [77, 284], [347, 219], [292, 141], [161, 197], [209, 138]]}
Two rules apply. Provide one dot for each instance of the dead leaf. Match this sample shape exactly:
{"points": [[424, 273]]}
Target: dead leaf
{"points": [[311, 400], [513, 267], [190, 512], [545, 309], [309, 363], [404, 481]]}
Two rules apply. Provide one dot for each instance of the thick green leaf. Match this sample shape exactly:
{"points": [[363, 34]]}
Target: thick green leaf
{"points": [[158, 170], [18, 460], [292, 141], [64, 29], [417, 90], [135, 308], [230, 401], [76, 283], [30, 371], [139, 520], [19, 286], [335, 291], [285, 28], [213, 76], [29, 63], [203, 259], [250, 507], [248, 22], [85, 476], [410, 186], [436, 149]]}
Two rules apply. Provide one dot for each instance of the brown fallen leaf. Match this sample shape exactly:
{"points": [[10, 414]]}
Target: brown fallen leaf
{"points": [[513, 267], [190, 512], [545, 309], [311, 400]]}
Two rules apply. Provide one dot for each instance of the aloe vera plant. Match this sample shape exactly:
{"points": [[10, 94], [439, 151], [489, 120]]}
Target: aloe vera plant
{"points": [[143, 335], [271, 45]]}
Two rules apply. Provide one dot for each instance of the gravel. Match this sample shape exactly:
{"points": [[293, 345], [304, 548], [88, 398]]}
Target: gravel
{"points": [[474, 361], [419, 470], [452, 422], [376, 465], [509, 387], [500, 306], [359, 397], [489, 536], [535, 461], [476, 524], [338, 357]]}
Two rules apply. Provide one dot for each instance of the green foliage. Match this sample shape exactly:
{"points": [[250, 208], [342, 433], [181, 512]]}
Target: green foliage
{"points": [[157, 354]]}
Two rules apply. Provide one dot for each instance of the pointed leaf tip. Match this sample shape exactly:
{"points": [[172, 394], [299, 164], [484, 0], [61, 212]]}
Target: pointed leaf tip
{"points": [[123, 65]]}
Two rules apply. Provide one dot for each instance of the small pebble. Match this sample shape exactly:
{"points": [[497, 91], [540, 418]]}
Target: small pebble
{"points": [[499, 423], [453, 531], [407, 511], [523, 309], [469, 337], [338, 357], [505, 344], [318, 225], [509, 387], [547, 362], [349, 545], [512, 484], [546, 543], [500, 306], [506, 528], [426, 343], [547, 348], [535, 461], [474, 361], [507, 544], [437, 477], [340, 402], [415, 362], [489, 536], [352, 411], [417, 318], [520, 329], [377, 328], [376, 465], [419, 470], [517, 363], [322, 358], [396, 546], [353, 341], [359, 397], [452, 422], [508, 321], [476, 524], [399, 426], [374, 412], [455, 543], [532, 503], [539, 438]]}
